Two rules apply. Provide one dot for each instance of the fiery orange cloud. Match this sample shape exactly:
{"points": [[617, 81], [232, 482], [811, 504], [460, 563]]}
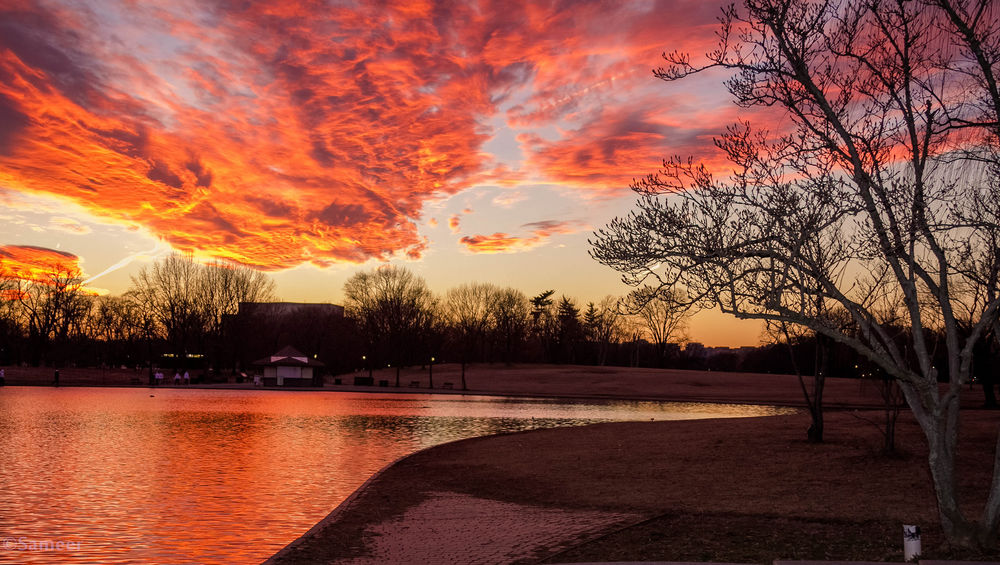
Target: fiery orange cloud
{"points": [[279, 134], [609, 152], [454, 222], [541, 232], [32, 263]]}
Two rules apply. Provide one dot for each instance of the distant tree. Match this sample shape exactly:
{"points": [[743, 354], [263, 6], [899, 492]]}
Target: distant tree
{"points": [[570, 330], [662, 313], [10, 326], [792, 337], [886, 171], [544, 325], [114, 322], [510, 313], [468, 311], [172, 291], [602, 325], [221, 289], [145, 322], [391, 306], [52, 307]]}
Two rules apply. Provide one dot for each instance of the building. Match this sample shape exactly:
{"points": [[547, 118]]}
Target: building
{"points": [[289, 367], [320, 330], [281, 310]]}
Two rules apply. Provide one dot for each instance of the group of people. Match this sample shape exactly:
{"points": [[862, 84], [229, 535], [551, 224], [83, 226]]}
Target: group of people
{"points": [[178, 378]]}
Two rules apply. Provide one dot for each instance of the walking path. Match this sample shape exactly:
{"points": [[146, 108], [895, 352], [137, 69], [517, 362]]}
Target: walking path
{"points": [[441, 527], [458, 528]]}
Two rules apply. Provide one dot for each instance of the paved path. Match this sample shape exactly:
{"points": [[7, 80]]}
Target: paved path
{"points": [[458, 528]]}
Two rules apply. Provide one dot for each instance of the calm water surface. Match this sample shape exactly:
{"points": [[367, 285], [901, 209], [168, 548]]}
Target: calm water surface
{"points": [[228, 476]]}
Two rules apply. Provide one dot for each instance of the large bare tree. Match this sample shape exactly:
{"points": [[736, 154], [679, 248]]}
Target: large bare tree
{"points": [[51, 307], [392, 306], [170, 290], [883, 174], [468, 311], [189, 301]]}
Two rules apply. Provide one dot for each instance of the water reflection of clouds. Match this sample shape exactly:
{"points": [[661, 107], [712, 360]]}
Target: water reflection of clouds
{"points": [[189, 476]]}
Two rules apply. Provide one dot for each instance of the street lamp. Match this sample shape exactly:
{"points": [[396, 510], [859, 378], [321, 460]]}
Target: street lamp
{"points": [[430, 373], [364, 360]]}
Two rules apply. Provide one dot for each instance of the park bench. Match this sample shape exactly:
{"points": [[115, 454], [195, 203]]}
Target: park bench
{"points": [[414, 384], [448, 385]]}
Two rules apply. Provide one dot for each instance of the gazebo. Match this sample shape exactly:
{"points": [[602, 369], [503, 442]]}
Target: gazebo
{"points": [[288, 367]]}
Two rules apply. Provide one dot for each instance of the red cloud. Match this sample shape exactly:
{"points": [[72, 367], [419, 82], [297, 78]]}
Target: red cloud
{"points": [[277, 134], [32, 263], [614, 148], [506, 243], [454, 222]]}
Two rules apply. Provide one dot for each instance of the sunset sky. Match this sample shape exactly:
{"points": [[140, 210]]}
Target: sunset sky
{"points": [[468, 141]]}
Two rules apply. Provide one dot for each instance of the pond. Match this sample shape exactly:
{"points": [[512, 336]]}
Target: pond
{"points": [[126, 475]]}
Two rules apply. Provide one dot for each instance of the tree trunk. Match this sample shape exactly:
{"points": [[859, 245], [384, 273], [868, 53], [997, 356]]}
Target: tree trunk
{"points": [[940, 427], [815, 432]]}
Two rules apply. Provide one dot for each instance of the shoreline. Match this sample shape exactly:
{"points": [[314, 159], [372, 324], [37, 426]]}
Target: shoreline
{"points": [[551, 382], [420, 391]]}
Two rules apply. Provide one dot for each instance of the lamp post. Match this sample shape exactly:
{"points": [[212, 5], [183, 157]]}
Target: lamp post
{"points": [[430, 373], [364, 359]]}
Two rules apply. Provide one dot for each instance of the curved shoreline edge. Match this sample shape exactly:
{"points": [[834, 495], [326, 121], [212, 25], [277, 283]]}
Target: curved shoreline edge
{"points": [[852, 512], [568, 397], [347, 502]]}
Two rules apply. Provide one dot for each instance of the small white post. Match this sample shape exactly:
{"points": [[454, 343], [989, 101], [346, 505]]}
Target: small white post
{"points": [[911, 542]]}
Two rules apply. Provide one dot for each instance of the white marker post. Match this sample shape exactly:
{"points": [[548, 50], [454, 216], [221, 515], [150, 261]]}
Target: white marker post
{"points": [[911, 543]]}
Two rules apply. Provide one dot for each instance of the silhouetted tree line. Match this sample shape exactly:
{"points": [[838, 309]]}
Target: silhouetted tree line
{"points": [[178, 313]]}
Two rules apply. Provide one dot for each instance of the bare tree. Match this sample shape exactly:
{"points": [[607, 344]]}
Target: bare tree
{"points": [[171, 290], [468, 311], [883, 174], [510, 318], [114, 322], [662, 312], [603, 325], [221, 288], [391, 306], [793, 337], [51, 307]]}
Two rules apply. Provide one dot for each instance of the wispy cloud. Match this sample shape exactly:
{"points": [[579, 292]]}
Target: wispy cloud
{"points": [[539, 233], [68, 225], [158, 250]]}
